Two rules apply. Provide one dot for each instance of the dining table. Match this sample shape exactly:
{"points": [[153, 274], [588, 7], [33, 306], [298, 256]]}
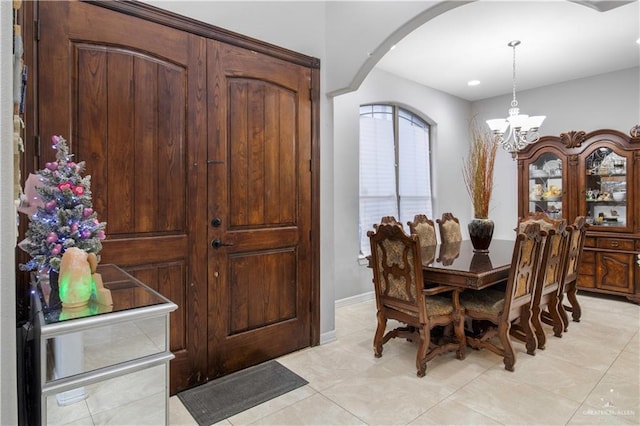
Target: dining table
{"points": [[458, 264]]}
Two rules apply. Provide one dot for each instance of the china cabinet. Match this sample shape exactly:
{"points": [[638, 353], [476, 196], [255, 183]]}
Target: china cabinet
{"points": [[596, 175]]}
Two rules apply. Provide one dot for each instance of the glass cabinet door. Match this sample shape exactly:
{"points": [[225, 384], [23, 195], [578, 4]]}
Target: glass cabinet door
{"points": [[606, 188], [545, 185]]}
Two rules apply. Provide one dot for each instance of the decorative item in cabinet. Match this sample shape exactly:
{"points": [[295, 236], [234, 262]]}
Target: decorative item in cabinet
{"points": [[606, 194], [598, 176], [545, 185]]}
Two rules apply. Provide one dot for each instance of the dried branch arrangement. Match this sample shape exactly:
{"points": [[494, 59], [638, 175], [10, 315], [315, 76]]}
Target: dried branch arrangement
{"points": [[477, 169]]}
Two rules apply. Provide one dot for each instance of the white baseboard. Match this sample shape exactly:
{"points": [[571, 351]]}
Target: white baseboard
{"points": [[330, 336], [363, 297]]}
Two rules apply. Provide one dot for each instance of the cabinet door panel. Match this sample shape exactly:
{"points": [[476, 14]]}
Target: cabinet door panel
{"points": [[615, 272]]}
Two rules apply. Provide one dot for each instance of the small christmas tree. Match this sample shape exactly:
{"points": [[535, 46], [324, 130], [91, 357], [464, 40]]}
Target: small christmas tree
{"points": [[65, 216]]}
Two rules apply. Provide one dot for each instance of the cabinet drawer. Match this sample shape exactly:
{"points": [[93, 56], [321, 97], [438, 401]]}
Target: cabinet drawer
{"points": [[615, 243], [589, 242]]}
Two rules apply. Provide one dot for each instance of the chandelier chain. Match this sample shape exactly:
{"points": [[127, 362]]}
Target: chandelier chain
{"points": [[514, 102]]}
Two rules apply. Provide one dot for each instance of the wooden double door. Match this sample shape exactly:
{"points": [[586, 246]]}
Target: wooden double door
{"points": [[200, 156]]}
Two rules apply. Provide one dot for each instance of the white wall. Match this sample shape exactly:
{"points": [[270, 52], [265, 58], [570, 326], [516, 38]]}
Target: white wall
{"points": [[8, 394]]}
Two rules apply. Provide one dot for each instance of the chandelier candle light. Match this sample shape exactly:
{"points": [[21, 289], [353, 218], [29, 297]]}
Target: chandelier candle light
{"points": [[522, 129]]}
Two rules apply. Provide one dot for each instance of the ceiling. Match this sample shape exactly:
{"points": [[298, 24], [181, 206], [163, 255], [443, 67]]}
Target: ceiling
{"points": [[560, 41]]}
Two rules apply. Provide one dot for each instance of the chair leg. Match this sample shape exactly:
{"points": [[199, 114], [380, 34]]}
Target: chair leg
{"points": [[377, 339], [423, 348], [509, 355], [554, 311], [531, 342], [537, 325], [576, 311], [459, 332], [564, 317]]}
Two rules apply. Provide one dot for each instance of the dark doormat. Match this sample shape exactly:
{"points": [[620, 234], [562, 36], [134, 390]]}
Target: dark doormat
{"points": [[232, 394]]}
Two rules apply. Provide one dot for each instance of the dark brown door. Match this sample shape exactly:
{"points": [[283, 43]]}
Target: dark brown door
{"points": [[127, 94], [260, 207], [190, 141]]}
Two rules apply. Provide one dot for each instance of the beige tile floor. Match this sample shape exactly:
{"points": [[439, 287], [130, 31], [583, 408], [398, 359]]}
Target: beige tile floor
{"points": [[588, 377]]}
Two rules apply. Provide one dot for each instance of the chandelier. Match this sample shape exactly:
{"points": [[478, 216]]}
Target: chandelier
{"points": [[518, 130]]}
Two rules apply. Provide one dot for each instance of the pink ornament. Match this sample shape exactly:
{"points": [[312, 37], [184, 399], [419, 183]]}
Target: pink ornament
{"points": [[74, 226], [64, 186], [101, 235], [95, 221], [51, 205], [88, 211], [52, 166], [52, 237], [78, 189], [54, 140], [56, 250]]}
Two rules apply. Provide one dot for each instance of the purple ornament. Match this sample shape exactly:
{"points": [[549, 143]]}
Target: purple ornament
{"points": [[87, 212], [52, 237], [52, 166], [85, 233], [51, 205]]}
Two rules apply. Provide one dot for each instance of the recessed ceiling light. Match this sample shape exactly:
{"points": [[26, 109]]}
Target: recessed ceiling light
{"points": [[638, 41], [473, 83]]}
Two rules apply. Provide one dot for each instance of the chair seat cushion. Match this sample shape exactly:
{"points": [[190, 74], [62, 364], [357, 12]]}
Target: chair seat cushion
{"points": [[489, 300], [439, 305]]}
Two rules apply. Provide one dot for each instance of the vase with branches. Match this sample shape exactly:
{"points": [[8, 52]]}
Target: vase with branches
{"points": [[477, 171]]}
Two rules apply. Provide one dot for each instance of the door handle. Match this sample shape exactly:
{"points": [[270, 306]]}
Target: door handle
{"points": [[217, 244]]}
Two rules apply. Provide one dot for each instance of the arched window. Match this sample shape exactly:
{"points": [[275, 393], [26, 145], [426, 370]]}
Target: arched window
{"points": [[395, 169]]}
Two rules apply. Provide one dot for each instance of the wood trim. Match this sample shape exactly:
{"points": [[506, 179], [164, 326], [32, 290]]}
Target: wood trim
{"points": [[315, 206], [173, 20]]}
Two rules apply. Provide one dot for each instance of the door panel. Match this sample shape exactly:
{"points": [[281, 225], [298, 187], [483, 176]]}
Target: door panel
{"points": [[131, 87], [259, 187]]}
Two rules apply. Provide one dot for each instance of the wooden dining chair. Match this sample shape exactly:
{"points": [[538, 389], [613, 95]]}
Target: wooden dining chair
{"points": [[449, 227], [424, 228], [575, 247], [501, 309], [388, 220], [401, 296], [550, 276]]}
